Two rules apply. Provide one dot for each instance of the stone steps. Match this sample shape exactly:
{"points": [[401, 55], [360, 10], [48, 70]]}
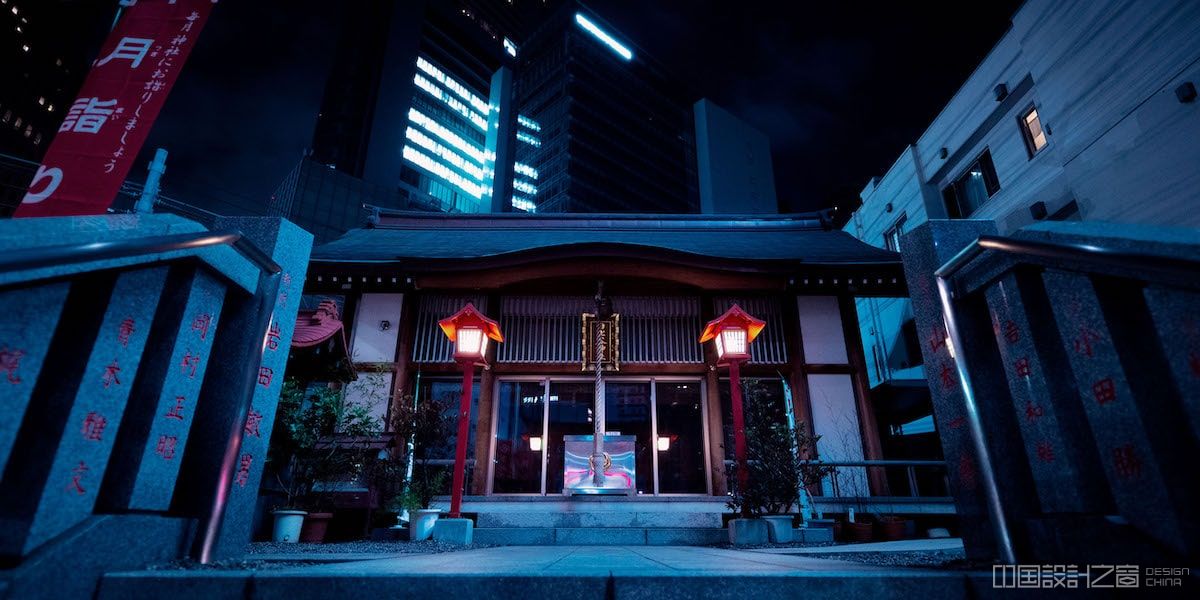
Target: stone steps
{"points": [[592, 519], [621, 536]]}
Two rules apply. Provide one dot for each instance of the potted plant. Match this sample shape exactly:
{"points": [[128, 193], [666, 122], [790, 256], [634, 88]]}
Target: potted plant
{"points": [[421, 428], [322, 439], [890, 528], [780, 464]]}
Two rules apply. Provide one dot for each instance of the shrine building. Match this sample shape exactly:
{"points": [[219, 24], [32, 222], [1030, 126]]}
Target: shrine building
{"points": [[665, 276]]}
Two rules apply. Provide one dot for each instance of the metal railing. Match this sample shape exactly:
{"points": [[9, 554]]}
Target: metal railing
{"points": [[910, 478], [1139, 264], [264, 298]]}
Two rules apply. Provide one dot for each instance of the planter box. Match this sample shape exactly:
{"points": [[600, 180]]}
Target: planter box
{"points": [[748, 532], [779, 528]]}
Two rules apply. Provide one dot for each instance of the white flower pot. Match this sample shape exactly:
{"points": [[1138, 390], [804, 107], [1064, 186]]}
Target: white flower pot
{"points": [[287, 525], [747, 532], [420, 525], [779, 528]]}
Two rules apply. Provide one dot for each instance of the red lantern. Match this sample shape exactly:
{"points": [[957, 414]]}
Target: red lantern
{"points": [[470, 331], [732, 333]]}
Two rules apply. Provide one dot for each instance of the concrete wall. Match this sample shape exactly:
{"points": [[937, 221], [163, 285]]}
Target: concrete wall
{"points": [[733, 164], [1102, 76]]}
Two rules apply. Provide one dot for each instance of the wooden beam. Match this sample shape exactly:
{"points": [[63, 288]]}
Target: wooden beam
{"points": [[867, 425], [693, 277], [405, 330], [483, 420], [716, 417]]}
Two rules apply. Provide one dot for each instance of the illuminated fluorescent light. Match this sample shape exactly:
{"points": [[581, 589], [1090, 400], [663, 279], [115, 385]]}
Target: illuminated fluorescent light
{"points": [[471, 150], [442, 171], [601, 35], [453, 85], [529, 123], [524, 204], [433, 90], [510, 47], [528, 139], [524, 186], [444, 153], [526, 170]]}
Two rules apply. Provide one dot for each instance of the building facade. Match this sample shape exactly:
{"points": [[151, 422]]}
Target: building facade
{"points": [[666, 276], [1082, 111]]}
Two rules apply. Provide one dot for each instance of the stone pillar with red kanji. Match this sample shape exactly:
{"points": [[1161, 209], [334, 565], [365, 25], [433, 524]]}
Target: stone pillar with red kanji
{"points": [[73, 422], [1057, 442], [25, 331], [1151, 481], [154, 434], [220, 411], [926, 249], [1176, 317]]}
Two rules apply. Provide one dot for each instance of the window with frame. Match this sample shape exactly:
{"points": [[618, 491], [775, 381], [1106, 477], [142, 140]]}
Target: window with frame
{"points": [[974, 187], [1032, 131], [891, 237]]}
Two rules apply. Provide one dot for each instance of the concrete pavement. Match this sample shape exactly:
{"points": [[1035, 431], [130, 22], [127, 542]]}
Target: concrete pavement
{"points": [[601, 572]]}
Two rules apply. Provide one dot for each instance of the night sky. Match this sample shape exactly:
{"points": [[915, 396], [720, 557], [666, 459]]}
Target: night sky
{"points": [[840, 88]]}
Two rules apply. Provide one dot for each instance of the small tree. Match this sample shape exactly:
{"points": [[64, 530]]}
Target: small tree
{"points": [[323, 439], [780, 461], [427, 425]]}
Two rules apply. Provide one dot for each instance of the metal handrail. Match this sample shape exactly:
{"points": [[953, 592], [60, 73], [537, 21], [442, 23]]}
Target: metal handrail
{"points": [[1091, 254], [48, 256]]}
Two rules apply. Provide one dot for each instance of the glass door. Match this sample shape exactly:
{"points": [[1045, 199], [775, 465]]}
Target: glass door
{"points": [[666, 416], [681, 445], [520, 446], [570, 413], [627, 412]]}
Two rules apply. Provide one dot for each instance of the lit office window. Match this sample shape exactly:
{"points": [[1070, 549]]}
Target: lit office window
{"points": [[891, 238], [1031, 127], [971, 189]]}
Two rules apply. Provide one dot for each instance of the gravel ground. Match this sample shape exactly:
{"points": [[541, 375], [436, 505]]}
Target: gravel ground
{"points": [[249, 563], [422, 547], [941, 559]]}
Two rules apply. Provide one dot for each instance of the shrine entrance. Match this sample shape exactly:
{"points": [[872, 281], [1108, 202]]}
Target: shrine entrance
{"points": [[665, 416]]}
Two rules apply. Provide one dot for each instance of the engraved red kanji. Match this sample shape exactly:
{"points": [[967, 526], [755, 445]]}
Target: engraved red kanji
{"points": [[287, 279], [93, 426], [1083, 342], [201, 324], [243, 474], [176, 411], [1011, 332], [1104, 391], [253, 421], [10, 361], [1126, 462], [1033, 411], [966, 470], [947, 376], [166, 446], [956, 422], [1045, 451], [273, 334], [1194, 364], [936, 342], [1022, 367], [190, 361], [76, 484], [110, 374], [264, 376], [124, 330]]}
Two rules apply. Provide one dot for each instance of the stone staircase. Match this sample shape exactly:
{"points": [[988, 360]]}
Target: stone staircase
{"points": [[602, 521]]}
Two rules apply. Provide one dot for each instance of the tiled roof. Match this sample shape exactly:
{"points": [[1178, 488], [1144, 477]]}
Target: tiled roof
{"points": [[401, 236]]}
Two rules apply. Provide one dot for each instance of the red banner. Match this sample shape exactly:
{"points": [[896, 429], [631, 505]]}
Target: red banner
{"points": [[107, 124]]}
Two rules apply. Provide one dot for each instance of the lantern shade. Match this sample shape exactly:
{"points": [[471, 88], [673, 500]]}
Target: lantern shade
{"points": [[470, 331], [733, 332]]}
